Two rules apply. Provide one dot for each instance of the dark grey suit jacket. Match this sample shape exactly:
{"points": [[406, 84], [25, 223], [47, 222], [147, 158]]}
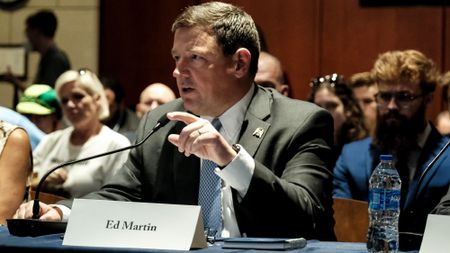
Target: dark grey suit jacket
{"points": [[290, 192]]}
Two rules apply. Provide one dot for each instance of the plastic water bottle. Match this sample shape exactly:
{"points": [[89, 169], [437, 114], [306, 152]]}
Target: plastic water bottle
{"points": [[384, 207]]}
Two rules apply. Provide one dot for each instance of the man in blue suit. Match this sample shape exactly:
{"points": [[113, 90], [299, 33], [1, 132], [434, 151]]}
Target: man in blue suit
{"points": [[406, 81]]}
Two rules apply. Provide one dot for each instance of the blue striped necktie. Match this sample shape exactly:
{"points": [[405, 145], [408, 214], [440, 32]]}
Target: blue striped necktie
{"points": [[209, 197]]}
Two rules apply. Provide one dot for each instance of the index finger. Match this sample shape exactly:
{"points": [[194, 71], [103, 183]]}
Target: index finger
{"points": [[186, 117]]}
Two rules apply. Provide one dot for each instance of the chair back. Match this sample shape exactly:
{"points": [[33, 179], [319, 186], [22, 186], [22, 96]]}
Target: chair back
{"points": [[352, 220]]}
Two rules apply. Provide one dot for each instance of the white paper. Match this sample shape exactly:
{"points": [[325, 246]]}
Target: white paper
{"points": [[437, 234], [14, 58], [100, 223]]}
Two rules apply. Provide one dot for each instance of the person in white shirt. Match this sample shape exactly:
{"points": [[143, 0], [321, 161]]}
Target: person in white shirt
{"points": [[84, 104]]}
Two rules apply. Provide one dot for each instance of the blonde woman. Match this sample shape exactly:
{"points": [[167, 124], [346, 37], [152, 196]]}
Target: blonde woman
{"points": [[84, 105], [15, 168]]}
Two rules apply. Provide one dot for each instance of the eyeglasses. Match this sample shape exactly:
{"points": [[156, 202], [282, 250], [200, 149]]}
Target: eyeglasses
{"points": [[402, 99], [328, 80]]}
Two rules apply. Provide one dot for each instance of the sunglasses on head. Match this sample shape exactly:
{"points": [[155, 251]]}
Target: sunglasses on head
{"points": [[328, 80]]}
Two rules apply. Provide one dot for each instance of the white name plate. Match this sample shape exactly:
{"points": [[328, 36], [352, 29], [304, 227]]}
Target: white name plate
{"points": [[435, 239], [101, 223]]}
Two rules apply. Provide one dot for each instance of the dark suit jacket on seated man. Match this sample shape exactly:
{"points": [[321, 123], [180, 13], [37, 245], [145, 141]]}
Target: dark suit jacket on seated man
{"points": [[406, 81], [278, 184]]}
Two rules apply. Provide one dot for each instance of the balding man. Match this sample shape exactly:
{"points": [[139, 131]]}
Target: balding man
{"points": [[270, 73], [154, 95]]}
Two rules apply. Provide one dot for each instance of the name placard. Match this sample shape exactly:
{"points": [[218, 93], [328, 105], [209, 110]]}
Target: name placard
{"points": [[435, 237], [101, 223]]}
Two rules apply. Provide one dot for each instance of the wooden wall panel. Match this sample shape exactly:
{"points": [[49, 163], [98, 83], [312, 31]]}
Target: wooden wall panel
{"points": [[353, 36], [310, 37], [136, 41], [446, 40], [446, 49], [290, 29]]}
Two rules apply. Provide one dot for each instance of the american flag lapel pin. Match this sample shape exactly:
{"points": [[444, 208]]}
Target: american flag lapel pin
{"points": [[258, 133]]}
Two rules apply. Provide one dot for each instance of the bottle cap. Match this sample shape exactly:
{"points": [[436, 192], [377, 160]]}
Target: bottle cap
{"points": [[386, 157]]}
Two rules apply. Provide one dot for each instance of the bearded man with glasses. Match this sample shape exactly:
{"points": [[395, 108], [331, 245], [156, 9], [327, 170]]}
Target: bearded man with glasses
{"points": [[406, 82]]}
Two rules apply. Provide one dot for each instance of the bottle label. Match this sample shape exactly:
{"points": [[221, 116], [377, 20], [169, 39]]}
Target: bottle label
{"points": [[383, 199]]}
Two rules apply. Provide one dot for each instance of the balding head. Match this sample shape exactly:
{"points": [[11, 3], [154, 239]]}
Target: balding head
{"points": [[152, 96], [270, 73]]}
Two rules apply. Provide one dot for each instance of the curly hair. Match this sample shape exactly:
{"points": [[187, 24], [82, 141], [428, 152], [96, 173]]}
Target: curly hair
{"points": [[353, 128], [409, 66], [363, 79]]}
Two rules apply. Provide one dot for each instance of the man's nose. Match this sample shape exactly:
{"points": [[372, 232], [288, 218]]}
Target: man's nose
{"points": [[70, 103], [392, 104], [180, 68]]}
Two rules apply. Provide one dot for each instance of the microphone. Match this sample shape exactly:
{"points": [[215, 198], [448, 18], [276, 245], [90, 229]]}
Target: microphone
{"points": [[36, 227]]}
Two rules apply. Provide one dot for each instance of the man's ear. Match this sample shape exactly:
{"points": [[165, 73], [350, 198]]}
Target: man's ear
{"points": [[242, 59], [284, 90]]}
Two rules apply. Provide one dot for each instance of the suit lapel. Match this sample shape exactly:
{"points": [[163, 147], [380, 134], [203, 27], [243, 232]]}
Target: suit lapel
{"points": [[186, 173], [253, 131], [432, 146], [186, 178], [255, 125]]}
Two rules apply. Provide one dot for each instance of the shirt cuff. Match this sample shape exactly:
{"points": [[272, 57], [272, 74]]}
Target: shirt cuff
{"points": [[239, 172], [65, 211]]}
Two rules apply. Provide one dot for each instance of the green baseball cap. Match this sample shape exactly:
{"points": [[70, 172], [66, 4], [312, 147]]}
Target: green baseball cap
{"points": [[39, 99]]}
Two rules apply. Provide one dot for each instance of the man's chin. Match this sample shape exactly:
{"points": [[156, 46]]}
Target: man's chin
{"points": [[192, 107]]}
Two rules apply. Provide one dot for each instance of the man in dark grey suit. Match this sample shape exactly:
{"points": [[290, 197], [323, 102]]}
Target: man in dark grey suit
{"points": [[276, 182]]}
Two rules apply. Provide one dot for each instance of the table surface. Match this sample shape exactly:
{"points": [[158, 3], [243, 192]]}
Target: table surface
{"points": [[53, 243]]}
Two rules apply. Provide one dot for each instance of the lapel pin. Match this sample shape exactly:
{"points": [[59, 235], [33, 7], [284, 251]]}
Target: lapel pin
{"points": [[258, 132]]}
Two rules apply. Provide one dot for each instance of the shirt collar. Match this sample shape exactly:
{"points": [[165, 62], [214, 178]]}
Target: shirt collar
{"points": [[232, 118], [422, 138]]}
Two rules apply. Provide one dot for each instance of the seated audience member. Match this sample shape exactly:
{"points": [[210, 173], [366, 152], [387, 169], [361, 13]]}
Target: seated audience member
{"points": [[443, 118], [275, 182], [365, 89], [120, 119], [406, 82], [35, 134], [40, 104], [153, 96], [332, 93], [84, 104], [15, 168], [270, 73]]}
